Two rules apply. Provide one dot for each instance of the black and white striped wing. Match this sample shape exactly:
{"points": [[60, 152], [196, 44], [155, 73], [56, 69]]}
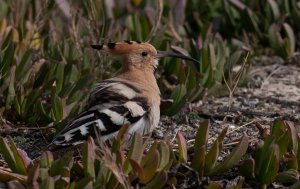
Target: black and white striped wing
{"points": [[112, 104]]}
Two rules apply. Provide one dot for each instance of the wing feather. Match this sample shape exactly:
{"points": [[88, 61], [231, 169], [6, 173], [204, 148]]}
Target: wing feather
{"points": [[111, 104]]}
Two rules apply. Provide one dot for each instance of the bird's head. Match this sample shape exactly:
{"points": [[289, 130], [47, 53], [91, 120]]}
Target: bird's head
{"points": [[138, 55]]}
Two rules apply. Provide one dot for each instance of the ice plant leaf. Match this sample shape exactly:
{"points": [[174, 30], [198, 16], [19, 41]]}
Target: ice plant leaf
{"points": [[291, 39], [150, 153], [275, 9], [20, 160], [233, 158], [33, 175], [89, 158], [135, 152], [59, 164], [60, 77], [211, 157], [118, 141], [23, 66], [158, 182], [182, 147], [260, 153], [11, 88], [221, 137], [46, 159], [278, 128], [151, 166], [202, 134], [8, 155], [179, 98], [270, 165], [293, 135], [247, 168], [200, 147], [283, 142], [7, 176], [85, 183], [7, 40], [289, 176], [164, 152], [57, 111], [48, 182], [138, 169]]}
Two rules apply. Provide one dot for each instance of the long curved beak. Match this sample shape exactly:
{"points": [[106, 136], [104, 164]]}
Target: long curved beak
{"points": [[161, 54]]}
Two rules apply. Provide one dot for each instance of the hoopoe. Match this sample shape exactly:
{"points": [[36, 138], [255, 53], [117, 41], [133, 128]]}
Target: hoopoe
{"points": [[131, 98]]}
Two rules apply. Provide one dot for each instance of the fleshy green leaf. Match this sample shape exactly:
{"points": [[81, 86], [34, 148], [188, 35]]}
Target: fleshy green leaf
{"points": [[293, 135], [85, 183], [211, 157], [233, 158], [270, 166], [200, 147], [275, 9], [158, 182], [138, 169], [291, 39], [135, 152], [247, 168], [278, 128], [221, 138], [150, 167], [182, 147], [289, 176], [165, 157], [57, 111], [8, 155], [89, 158], [60, 77], [7, 176]]}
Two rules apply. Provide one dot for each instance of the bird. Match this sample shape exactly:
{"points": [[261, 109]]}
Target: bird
{"points": [[132, 97]]}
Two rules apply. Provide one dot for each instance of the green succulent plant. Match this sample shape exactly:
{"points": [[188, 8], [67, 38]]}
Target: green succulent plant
{"points": [[278, 149], [204, 161], [104, 168], [142, 165]]}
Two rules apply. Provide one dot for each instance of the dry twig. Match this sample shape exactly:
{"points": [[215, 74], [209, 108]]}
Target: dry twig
{"points": [[233, 84]]}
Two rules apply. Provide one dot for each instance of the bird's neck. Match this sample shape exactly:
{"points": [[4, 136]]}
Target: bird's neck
{"points": [[138, 76], [145, 78]]}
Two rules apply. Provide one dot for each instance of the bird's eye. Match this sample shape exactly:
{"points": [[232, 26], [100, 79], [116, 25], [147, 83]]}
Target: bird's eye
{"points": [[144, 53]]}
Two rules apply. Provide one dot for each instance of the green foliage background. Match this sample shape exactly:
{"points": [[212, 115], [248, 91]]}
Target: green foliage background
{"points": [[47, 66]]}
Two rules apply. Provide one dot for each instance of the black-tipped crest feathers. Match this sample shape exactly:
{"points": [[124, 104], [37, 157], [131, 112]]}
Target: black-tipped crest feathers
{"points": [[111, 45], [128, 46], [97, 47]]}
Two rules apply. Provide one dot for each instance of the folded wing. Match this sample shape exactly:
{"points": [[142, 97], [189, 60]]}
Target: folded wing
{"points": [[112, 104]]}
